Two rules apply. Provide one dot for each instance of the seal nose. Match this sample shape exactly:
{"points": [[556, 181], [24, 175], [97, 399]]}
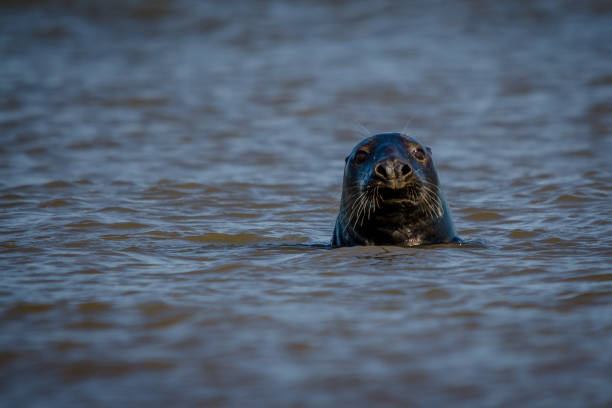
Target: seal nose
{"points": [[392, 169]]}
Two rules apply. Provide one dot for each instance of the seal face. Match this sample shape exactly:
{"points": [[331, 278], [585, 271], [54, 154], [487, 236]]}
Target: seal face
{"points": [[391, 196]]}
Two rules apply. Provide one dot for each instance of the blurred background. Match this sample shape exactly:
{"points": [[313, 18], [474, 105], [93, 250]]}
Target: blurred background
{"points": [[170, 174]]}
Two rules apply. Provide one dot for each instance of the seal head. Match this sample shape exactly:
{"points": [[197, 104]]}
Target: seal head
{"points": [[391, 196]]}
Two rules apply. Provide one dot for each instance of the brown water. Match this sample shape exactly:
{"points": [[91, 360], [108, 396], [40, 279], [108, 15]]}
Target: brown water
{"points": [[170, 173]]}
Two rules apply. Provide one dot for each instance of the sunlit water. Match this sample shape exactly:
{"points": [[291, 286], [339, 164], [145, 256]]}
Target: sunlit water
{"points": [[170, 174]]}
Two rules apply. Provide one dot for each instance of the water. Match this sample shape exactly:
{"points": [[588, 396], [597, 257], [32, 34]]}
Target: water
{"points": [[170, 174]]}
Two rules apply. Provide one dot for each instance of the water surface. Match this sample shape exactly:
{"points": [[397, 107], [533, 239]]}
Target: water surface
{"points": [[170, 174]]}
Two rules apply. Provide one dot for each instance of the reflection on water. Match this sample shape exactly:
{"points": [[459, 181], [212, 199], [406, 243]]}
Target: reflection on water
{"points": [[170, 174]]}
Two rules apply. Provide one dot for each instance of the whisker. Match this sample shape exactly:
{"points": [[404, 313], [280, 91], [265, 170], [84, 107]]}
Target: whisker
{"points": [[362, 128], [405, 128]]}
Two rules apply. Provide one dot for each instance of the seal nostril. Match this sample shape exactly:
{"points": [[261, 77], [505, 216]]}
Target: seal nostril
{"points": [[406, 169], [380, 171]]}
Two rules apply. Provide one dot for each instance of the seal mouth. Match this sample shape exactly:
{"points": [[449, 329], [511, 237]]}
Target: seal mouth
{"points": [[393, 194], [406, 194], [421, 197], [418, 197]]}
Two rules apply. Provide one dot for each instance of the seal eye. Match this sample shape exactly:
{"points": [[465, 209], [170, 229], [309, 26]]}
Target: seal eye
{"points": [[419, 154], [361, 156]]}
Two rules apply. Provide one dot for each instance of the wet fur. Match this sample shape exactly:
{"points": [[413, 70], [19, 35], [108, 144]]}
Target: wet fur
{"points": [[372, 214]]}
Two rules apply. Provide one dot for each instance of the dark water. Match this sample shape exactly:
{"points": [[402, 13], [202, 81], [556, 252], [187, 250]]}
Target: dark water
{"points": [[170, 174]]}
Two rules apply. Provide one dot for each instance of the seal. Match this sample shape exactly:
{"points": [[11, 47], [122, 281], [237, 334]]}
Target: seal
{"points": [[391, 195]]}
